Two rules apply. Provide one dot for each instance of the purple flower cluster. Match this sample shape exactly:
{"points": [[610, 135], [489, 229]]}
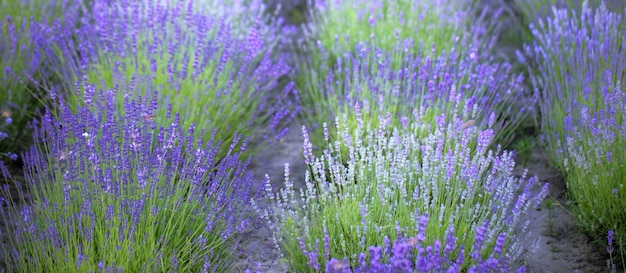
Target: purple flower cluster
{"points": [[413, 255], [111, 190]]}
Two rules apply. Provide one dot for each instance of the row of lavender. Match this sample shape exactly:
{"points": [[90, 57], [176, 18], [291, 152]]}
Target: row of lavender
{"points": [[141, 149], [577, 56], [153, 110]]}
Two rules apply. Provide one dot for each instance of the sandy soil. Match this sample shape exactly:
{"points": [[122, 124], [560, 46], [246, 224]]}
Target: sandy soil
{"points": [[561, 248]]}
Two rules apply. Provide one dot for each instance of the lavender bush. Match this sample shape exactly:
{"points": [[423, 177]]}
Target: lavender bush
{"points": [[23, 56], [429, 85], [103, 199], [197, 57], [594, 155], [394, 175], [582, 60]]}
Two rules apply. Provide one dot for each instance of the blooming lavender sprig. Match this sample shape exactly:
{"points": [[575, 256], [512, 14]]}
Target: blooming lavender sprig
{"points": [[200, 61], [428, 85], [110, 190], [580, 79], [612, 261], [392, 177]]}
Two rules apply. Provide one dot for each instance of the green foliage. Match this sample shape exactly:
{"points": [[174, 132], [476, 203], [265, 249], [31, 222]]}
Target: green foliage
{"points": [[345, 24], [523, 148]]}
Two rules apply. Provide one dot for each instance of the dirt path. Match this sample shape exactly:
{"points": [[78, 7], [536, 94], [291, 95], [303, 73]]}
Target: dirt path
{"points": [[561, 248]]}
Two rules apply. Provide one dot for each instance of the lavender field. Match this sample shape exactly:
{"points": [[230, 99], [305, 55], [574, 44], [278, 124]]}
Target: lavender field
{"points": [[312, 136]]}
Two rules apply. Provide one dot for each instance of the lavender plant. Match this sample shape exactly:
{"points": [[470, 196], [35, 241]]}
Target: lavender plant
{"points": [[23, 56], [429, 85], [594, 156], [103, 199], [200, 62], [580, 81], [393, 176]]}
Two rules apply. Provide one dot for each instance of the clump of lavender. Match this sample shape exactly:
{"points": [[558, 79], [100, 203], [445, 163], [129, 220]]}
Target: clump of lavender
{"points": [[24, 40], [580, 80], [428, 85], [112, 191], [394, 175], [594, 156], [575, 53], [197, 57], [405, 29]]}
